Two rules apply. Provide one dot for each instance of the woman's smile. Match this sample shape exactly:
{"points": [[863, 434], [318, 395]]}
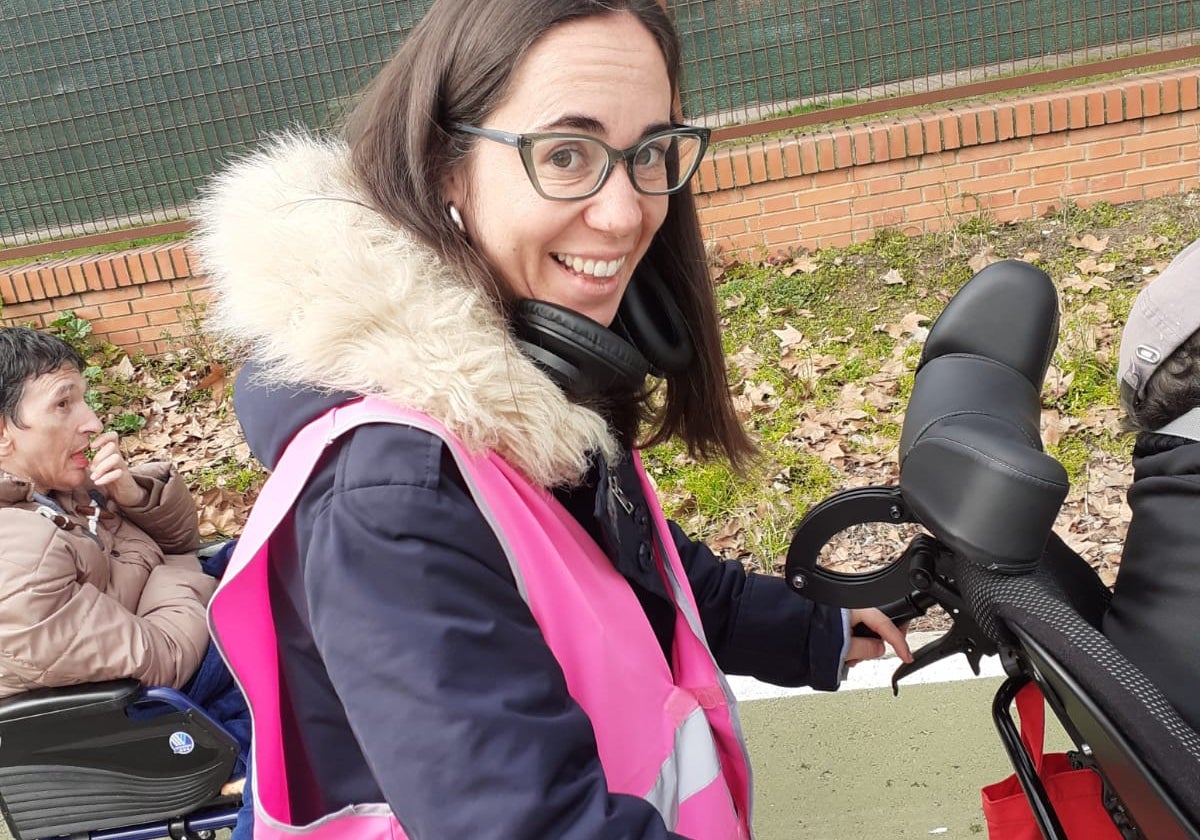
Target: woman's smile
{"points": [[598, 268]]}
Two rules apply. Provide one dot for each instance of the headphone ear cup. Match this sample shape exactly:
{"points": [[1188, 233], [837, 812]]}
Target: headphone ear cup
{"points": [[562, 372], [654, 323], [583, 357]]}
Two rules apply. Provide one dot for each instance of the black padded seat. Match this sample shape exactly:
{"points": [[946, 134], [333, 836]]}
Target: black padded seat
{"points": [[972, 467]]}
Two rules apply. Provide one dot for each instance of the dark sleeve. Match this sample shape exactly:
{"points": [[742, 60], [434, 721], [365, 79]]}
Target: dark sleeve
{"points": [[758, 627], [458, 705]]}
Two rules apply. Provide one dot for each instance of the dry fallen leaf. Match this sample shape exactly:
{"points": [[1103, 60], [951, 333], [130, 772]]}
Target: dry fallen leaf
{"points": [[982, 259], [124, 368], [804, 263], [789, 336], [1088, 242], [1089, 265]]}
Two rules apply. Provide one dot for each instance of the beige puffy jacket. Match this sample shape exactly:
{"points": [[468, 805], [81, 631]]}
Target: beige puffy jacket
{"points": [[128, 600]]}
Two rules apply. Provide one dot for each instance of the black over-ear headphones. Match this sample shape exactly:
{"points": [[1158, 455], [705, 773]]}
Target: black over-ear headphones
{"points": [[587, 359]]}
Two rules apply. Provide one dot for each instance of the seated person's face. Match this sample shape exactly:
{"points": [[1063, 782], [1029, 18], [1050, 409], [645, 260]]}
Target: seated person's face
{"points": [[51, 449]]}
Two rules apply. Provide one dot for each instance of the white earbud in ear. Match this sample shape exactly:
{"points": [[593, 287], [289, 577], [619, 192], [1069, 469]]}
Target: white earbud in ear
{"points": [[455, 217]]}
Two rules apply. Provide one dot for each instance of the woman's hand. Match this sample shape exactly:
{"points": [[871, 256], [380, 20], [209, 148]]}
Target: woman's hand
{"points": [[110, 471], [866, 647]]}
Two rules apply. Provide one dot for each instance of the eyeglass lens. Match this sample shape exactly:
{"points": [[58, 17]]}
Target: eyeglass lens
{"points": [[567, 167]]}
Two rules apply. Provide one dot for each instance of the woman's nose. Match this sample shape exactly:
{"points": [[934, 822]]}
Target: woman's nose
{"points": [[617, 208], [91, 423]]}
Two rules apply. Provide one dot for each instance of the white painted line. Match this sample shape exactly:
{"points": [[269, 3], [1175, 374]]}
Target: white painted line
{"points": [[877, 673]]}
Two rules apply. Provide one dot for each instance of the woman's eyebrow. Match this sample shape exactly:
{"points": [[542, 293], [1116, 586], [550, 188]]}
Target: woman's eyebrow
{"points": [[591, 125], [577, 122]]}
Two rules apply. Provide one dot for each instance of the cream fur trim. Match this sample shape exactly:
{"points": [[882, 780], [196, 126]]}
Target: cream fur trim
{"points": [[322, 290]]}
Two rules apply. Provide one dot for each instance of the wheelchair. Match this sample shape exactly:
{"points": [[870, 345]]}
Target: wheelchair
{"points": [[114, 760], [974, 477]]}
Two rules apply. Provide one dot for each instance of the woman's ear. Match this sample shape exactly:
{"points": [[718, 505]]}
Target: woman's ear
{"points": [[454, 187], [6, 443]]}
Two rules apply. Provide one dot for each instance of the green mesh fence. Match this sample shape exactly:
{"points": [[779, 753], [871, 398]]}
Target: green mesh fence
{"points": [[749, 59], [114, 112]]}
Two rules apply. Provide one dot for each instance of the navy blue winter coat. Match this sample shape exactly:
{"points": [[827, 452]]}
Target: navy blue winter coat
{"points": [[413, 672]]}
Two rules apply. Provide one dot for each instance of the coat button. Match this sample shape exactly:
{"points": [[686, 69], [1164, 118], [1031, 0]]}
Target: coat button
{"points": [[645, 557], [642, 519]]}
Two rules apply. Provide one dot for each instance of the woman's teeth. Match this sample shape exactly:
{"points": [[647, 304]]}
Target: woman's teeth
{"points": [[596, 268]]}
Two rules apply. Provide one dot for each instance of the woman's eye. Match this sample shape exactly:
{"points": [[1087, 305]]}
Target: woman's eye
{"points": [[650, 155], [564, 158]]}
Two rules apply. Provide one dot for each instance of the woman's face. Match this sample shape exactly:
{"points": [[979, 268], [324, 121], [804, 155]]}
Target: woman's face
{"points": [[600, 76], [52, 448]]}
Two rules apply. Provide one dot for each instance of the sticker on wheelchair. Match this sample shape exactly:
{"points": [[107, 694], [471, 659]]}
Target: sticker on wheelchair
{"points": [[181, 743]]}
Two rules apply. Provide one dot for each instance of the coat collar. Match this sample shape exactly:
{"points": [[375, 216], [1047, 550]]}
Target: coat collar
{"points": [[323, 290], [14, 490]]}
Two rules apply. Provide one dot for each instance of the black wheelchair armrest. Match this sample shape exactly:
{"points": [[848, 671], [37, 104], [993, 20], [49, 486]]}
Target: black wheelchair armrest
{"points": [[972, 468], [44, 701], [109, 755]]}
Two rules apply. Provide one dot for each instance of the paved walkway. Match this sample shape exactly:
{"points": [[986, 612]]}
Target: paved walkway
{"points": [[860, 764], [864, 765]]}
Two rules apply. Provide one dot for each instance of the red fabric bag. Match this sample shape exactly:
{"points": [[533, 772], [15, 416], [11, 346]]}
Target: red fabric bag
{"points": [[1075, 794]]}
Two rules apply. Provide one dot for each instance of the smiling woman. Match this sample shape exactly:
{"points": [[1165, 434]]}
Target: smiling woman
{"points": [[543, 249], [465, 317]]}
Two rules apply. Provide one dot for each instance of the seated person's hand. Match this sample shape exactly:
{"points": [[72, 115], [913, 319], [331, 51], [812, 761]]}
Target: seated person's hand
{"points": [[110, 472], [865, 647]]}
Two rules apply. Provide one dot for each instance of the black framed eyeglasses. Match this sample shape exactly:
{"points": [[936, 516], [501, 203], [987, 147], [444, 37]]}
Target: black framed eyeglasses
{"points": [[568, 167]]}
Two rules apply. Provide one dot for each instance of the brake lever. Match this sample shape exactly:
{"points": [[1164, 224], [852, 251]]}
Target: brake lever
{"points": [[965, 636], [955, 641]]}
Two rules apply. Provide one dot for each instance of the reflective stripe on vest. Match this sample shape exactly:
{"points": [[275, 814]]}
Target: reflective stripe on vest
{"points": [[692, 766], [735, 738], [674, 741]]}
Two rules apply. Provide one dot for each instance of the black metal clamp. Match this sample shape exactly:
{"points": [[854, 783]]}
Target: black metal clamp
{"points": [[905, 588]]}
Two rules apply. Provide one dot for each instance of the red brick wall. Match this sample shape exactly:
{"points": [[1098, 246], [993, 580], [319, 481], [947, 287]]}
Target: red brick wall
{"points": [[1118, 141], [138, 300]]}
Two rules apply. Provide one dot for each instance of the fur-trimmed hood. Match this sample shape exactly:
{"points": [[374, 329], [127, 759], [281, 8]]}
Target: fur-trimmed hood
{"points": [[323, 291]]}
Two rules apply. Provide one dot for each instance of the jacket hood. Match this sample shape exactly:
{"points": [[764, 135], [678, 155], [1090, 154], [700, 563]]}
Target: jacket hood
{"points": [[14, 490], [271, 415], [324, 293]]}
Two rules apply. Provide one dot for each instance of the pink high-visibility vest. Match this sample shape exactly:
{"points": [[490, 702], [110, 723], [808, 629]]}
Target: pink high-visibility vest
{"points": [[674, 740]]}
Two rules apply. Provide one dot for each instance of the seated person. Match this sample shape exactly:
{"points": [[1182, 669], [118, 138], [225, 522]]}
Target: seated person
{"points": [[1154, 619], [99, 577]]}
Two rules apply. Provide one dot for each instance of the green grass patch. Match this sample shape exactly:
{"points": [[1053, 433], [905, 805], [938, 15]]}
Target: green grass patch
{"points": [[232, 475]]}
